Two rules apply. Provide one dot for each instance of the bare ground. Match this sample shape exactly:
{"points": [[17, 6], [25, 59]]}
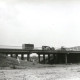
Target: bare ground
{"points": [[55, 72]]}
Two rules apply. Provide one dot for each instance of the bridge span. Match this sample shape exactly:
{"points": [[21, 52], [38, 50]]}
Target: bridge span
{"points": [[54, 56]]}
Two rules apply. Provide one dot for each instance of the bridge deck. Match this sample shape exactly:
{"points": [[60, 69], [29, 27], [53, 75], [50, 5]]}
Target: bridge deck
{"points": [[34, 51]]}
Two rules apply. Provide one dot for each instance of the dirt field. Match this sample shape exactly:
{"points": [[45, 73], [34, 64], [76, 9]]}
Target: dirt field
{"points": [[57, 72]]}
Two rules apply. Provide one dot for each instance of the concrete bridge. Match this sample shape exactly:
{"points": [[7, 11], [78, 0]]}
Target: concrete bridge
{"points": [[56, 56]]}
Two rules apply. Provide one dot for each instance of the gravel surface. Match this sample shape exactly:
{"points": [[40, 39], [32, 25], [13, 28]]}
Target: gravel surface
{"points": [[67, 72]]}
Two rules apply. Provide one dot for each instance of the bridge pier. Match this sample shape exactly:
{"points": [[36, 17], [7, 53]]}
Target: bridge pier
{"points": [[22, 56], [39, 57], [44, 58], [11, 55], [6, 54], [65, 58], [55, 58], [28, 56], [16, 55], [48, 58]]}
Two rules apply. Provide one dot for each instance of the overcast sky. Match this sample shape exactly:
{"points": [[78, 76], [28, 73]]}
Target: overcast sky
{"points": [[51, 23]]}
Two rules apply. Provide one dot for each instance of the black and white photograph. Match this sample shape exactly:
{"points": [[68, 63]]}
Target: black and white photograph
{"points": [[39, 40]]}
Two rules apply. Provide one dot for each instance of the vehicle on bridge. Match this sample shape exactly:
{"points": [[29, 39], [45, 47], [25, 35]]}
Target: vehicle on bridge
{"points": [[47, 48], [28, 46]]}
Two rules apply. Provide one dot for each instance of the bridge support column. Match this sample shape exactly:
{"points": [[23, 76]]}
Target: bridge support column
{"points": [[55, 58], [22, 56], [11, 55], [48, 58], [16, 55], [39, 57], [28, 57], [65, 58], [44, 58], [6, 54]]}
